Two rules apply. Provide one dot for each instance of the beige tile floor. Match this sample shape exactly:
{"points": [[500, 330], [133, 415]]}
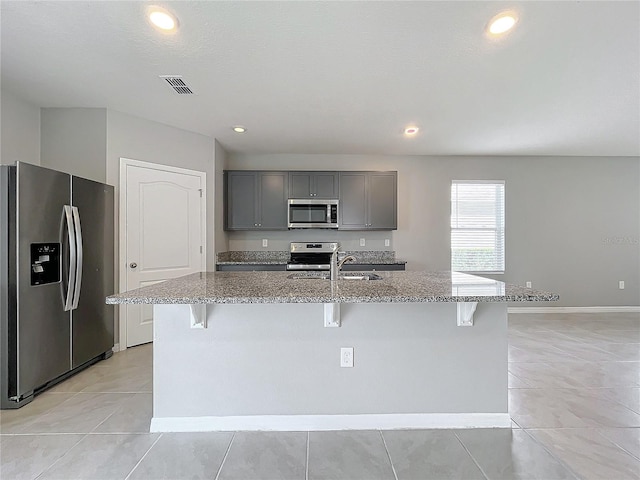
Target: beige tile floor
{"points": [[574, 399]]}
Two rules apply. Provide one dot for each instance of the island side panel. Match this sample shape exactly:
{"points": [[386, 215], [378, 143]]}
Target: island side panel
{"points": [[279, 359]]}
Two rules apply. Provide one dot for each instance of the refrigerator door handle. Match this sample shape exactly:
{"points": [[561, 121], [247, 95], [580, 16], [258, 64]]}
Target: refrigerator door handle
{"points": [[79, 253], [68, 296]]}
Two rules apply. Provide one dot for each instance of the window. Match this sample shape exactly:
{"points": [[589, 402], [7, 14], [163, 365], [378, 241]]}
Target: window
{"points": [[477, 226]]}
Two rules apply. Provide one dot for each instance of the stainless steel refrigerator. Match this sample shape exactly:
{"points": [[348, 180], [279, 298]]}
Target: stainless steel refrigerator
{"points": [[56, 268]]}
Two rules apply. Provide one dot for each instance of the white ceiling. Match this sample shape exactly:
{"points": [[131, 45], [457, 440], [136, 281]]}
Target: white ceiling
{"points": [[345, 77]]}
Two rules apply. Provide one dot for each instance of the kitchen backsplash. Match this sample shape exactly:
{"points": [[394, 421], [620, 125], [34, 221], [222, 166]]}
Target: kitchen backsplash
{"points": [[280, 240], [252, 256], [362, 256]]}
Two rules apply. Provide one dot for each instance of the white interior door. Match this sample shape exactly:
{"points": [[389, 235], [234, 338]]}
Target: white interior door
{"points": [[164, 237]]}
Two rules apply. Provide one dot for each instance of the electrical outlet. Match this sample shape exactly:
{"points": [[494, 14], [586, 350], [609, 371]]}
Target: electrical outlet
{"points": [[386, 242], [346, 357], [528, 284], [265, 242], [621, 284], [362, 242]]}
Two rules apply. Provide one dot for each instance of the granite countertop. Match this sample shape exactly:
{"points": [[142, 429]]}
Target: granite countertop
{"points": [[278, 287], [366, 257]]}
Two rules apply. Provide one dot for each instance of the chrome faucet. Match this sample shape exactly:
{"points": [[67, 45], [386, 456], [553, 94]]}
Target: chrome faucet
{"points": [[337, 265]]}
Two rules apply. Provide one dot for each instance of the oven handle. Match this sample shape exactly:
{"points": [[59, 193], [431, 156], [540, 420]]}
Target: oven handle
{"points": [[300, 266]]}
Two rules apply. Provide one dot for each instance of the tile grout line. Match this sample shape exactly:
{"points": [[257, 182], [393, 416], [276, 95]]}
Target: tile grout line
{"points": [[637, 457], [471, 456], [225, 456], [384, 442], [61, 456], [143, 456], [117, 409], [558, 459], [512, 419], [306, 471], [48, 411], [509, 372], [107, 418]]}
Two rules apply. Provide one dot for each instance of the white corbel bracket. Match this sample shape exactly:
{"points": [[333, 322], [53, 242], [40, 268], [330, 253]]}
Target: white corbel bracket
{"points": [[465, 313], [331, 314], [198, 315]]}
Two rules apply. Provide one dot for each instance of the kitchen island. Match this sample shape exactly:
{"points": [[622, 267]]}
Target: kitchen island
{"points": [[262, 351]]}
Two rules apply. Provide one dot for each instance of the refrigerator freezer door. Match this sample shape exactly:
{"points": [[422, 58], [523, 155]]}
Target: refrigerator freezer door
{"points": [[92, 320], [42, 325]]}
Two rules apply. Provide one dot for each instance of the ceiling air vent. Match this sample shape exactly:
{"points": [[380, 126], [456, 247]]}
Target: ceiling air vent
{"points": [[177, 84]]}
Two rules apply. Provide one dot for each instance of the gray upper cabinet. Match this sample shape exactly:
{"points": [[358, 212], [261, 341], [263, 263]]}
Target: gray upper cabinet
{"points": [[241, 189], [368, 201], [353, 201], [382, 200], [256, 200], [273, 192], [313, 184]]}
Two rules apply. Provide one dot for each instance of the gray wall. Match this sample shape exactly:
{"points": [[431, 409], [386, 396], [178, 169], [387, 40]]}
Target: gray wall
{"points": [[139, 139], [217, 204], [572, 223], [89, 142], [74, 140], [275, 359], [19, 130]]}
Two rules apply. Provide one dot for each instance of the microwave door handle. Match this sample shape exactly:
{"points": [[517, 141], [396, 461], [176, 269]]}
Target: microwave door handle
{"points": [[67, 299], [328, 214]]}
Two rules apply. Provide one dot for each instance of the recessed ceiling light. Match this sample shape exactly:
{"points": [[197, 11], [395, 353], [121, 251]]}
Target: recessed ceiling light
{"points": [[411, 130], [502, 23], [163, 19], [239, 129]]}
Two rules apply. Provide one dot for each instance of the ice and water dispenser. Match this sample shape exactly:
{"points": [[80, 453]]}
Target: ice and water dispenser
{"points": [[45, 263]]}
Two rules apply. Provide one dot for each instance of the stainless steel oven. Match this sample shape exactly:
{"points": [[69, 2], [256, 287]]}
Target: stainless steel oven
{"points": [[316, 213], [311, 255]]}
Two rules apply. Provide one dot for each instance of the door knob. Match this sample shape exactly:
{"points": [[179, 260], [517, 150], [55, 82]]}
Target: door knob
{"points": [[133, 264]]}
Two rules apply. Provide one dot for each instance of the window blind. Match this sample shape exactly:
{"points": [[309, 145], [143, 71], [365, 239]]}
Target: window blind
{"points": [[477, 226]]}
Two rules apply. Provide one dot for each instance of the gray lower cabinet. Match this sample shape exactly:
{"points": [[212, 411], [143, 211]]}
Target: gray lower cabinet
{"points": [[313, 184], [367, 267], [368, 201], [256, 200], [253, 267]]}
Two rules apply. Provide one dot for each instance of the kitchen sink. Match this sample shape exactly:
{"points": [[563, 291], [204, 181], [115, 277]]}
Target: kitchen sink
{"points": [[342, 276]]}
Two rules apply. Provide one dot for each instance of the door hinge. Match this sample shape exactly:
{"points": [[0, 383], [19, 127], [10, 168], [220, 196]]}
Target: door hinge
{"points": [[200, 190], [200, 248]]}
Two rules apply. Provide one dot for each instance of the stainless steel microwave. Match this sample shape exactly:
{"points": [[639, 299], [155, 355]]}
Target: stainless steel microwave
{"points": [[315, 213]]}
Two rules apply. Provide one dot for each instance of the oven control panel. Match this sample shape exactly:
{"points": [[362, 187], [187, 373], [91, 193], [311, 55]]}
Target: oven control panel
{"points": [[319, 247]]}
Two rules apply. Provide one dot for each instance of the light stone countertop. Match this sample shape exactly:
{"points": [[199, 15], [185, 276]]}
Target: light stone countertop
{"points": [[277, 287]]}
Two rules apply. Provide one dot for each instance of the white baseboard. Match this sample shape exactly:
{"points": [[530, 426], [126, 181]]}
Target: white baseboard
{"points": [[610, 309], [296, 423], [116, 348]]}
